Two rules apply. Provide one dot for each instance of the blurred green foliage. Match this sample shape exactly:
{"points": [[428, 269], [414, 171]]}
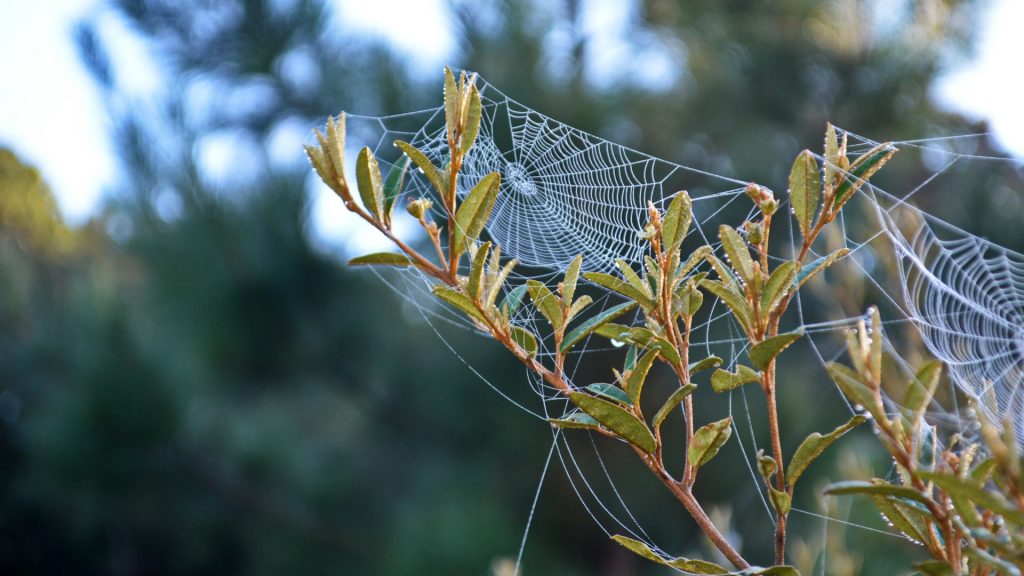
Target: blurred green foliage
{"points": [[189, 386]]}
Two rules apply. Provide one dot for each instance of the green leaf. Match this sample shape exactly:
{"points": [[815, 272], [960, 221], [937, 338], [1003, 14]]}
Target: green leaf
{"points": [[525, 339], [736, 250], [610, 391], [767, 466], [613, 331], [862, 169], [513, 299], [630, 358], [696, 257], [476, 270], [452, 104], [686, 565], [471, 123], [920, 391], [811, 270], [733, 299], [572, 275], [371, 185], [723, 380], [705, 364], [762, 353], [814, 445], [335, 147], [546, 302], [425, 165], [638, 375], [634, 280], [673, 401], [982, 473], [475, 210], [780, 500], [652, 341], [458, 300], [580, 420], [578, 306], [577, 334], [617, 419], [707, 441], [875, 487], [778, 284], [676, 222], [498, 281], [831, 155], [904, 517], [989, 499], [620, 286], [687, 300], [852, 386], [381, 258], [805, 190], [393, 184]]}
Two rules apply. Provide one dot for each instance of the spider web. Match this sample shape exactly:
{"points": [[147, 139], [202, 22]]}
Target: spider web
{"points": [[565, 192]]}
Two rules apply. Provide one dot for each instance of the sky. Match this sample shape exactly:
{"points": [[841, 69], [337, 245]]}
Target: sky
{"points": [[54, 118]]}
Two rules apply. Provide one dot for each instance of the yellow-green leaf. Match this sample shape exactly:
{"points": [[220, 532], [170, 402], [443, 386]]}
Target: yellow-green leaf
{"points": [[476, 270], [814, 445], [513, 299], [638, 375], [578, 306], [731, 298], [673, 401], [762, 353], [853, 387], [610, 391], [546, 302], [650, 340], [580, 332], [452, 104], [723, 380], [617, 419], [705, 364], [572, 275], [381, 258], [812, 269], [471, 123], [676, 222], [875, 487], [902, 516], [778, 284], [371, 184], [458, 300], [920, 391], [736, 250], [686, 565], [393, 184], [862, 169], [780, 500], [425, 165], [475, 210], [831, 155], [805, 190], [621, 287], [767, 466], [707, 441], [579, 420], [634, 280], [525, 339], [695, 259]]}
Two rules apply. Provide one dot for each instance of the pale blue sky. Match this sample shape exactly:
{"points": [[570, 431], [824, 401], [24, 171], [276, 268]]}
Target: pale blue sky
{"points": [[53, 116]]}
